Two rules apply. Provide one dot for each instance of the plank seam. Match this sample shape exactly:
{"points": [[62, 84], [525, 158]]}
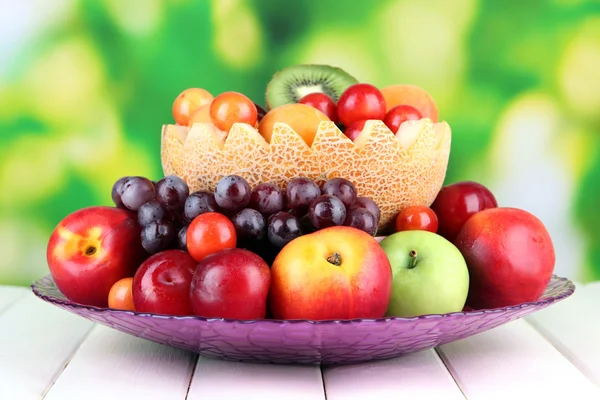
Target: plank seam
{"points": [[323, 381], [13, 302], [194, 368], [440, 355], [59, 372]]}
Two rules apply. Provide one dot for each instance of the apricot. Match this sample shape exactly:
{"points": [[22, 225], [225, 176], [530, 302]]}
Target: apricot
{"points": [[189, 101], [413, 96], [303, 119]]}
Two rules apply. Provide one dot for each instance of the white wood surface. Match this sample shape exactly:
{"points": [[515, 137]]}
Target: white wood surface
{"points": [[573, 327], [47, 353], [514, 361], [419, 375], [36, 341], [119, 366], [224, 380]]}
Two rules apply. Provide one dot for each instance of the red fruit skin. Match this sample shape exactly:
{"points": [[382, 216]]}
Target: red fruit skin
{"points": [[417, 218], [85, 276], [232, 284], [209, 233], [457, 202], [510, 257], [323, 103], [396, 116], [355, 129], [162, 283], [360, 101]]}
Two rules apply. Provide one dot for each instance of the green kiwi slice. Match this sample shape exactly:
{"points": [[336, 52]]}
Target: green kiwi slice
{"points": [[291, 84]]}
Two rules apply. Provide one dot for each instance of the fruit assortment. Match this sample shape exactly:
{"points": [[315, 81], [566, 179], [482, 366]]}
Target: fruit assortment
{"points": [[245, 240]]}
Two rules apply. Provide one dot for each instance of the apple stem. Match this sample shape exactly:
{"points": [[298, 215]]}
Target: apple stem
{"points": [[335, 259], [413, 261]]}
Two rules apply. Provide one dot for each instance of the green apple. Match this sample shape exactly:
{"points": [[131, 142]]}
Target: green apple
{"points": [[429, 274]]}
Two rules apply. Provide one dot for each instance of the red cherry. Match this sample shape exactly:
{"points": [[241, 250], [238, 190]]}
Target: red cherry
{"points": [[457, 202], [355, 129], [421, 218], [399, 114], [323, 103], [359, 102]]}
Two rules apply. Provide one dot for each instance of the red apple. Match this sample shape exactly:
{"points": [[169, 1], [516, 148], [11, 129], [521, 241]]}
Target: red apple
{"points": [[510, 257], [334, 273], [231, 283], [457, 202], [162, 283], [91, 249]]}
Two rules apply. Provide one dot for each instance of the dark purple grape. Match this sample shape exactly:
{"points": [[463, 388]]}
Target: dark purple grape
{"points": [[158, 236], [232, 193], [369, 204], [326, 210], [171, 192], [267, 199], [341, 188], [283, 227], [249, 224], [149, 212], [300, 192], [182, 238], [117, 191], [199, 203], [361, 218], [137, 191]]}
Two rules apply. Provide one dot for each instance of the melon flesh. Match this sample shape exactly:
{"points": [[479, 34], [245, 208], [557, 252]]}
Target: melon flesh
{"points": [[395, 171]]}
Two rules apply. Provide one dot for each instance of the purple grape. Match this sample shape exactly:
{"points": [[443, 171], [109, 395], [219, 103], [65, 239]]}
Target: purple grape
{"points": [[150, 212], [117, 191], [199, 203], [182, 238], [301, 192], [158, 236], [361, 218], [369, 204], [136, 192], [249, 224], [171, 192], [341, 188], [267, 199], [283, 227], [326, 210], [232, 193]]}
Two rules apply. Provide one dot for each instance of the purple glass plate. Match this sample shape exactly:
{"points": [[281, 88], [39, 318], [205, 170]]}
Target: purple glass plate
{"points": [[304, 342]]}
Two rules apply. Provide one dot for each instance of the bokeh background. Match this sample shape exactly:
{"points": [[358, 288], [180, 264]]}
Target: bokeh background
{"points": [[86, 85]]}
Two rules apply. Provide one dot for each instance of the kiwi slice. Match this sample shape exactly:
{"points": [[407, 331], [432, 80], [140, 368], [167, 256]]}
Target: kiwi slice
{"points": [[291, 84]]}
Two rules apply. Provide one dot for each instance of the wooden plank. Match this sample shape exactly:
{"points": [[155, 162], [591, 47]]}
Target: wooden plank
{"points": [[419, 375], [225, 380], [514, 361], [113, 365], [573, 327], [36, 341], [9, 295]]}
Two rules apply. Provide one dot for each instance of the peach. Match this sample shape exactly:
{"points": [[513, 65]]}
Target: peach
{"points": [[303, 119], [413, 96]]}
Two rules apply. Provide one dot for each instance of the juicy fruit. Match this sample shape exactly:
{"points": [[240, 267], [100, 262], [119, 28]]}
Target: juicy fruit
{"points": [[304, 120], [396, 116], [321, 102], [411, 95], [359, 102], [91, 249], [232, 107], [430, 275], [208, 233], [334, 273], [510, 257], [417, 218], [291, 84], [162, 283], [232, 283], [188, 102], [120, 296], [393, 172], [457, 202]]}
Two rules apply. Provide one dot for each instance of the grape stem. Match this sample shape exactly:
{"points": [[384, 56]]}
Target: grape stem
{"points": [[413, 259], [335, 259]]}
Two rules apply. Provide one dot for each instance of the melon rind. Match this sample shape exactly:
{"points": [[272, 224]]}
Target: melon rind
{"points": [[395, 173]]}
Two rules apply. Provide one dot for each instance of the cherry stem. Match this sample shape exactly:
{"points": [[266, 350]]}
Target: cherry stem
{"points": [[413, 259], [335, 259]]}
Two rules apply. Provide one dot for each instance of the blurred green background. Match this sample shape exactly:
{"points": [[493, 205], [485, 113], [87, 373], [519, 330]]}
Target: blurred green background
{"points": [[86, 85]]}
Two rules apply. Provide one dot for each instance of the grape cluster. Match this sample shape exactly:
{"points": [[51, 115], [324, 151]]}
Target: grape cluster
{"points": [[265, 217]]}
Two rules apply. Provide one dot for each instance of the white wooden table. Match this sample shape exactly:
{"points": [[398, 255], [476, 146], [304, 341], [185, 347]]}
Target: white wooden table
{"points": [[47, 353]]}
